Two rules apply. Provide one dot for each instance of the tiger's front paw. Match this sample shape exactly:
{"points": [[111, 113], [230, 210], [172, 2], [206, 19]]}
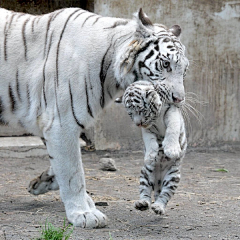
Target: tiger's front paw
{"points": [[142, 205], [89, 219], [158, 208], [171, 150]]}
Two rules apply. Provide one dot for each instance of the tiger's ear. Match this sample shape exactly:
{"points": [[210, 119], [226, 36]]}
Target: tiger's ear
{"points": [[145, 26], [119, 100], [176, 30]]}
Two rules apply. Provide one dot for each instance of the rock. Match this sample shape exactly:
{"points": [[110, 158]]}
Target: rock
{"points": [[107, 164]]}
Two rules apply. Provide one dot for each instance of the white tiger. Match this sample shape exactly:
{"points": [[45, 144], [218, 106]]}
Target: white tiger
{"points": [[164, 135], [59, 70]]}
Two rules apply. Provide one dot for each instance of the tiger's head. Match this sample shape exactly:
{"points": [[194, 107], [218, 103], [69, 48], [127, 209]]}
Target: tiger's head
{"points": [[155, 54], [142, 102]]}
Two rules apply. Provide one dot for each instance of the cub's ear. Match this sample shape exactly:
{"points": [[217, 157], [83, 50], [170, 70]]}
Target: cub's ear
{"points": [[145, 26], [176, 30], [118, 100]]}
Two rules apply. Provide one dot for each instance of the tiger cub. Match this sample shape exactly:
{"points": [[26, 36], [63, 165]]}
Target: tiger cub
{"points": [[164, 137]]}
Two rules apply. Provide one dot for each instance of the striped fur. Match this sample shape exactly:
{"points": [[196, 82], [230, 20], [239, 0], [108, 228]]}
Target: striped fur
{"points": [[59, 70], [165, 142]]}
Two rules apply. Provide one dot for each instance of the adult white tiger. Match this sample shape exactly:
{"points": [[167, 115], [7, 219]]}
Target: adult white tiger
{"points": [[59, 70]]}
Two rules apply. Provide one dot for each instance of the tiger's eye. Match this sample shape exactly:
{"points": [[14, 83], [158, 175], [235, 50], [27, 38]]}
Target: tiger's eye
{"points": [[166, 64]]}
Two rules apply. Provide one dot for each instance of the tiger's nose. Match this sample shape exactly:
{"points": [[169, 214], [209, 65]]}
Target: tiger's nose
{"points": [[177, 99]]}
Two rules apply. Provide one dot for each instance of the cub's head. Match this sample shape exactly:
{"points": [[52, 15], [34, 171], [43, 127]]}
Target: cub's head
{"points": [[156, 54], [142, 102]]}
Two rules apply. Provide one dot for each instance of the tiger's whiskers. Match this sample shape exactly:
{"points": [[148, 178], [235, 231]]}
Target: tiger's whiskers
{"points": [[190, 107]]}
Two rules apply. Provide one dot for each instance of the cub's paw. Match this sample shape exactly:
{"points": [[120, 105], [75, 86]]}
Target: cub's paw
{"points": [[142, 205], [42, 184], [158, 208], [90, 219], [172, 151]]}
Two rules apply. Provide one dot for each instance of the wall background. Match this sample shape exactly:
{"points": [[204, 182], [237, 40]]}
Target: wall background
{"points": [[211, 34]]}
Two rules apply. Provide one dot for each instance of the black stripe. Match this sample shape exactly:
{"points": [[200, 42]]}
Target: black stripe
{"points": [[173, 171], [93, 15], [143, 184], [148, 169], [33, 22], [118, 23], [103, 72], [6, 35], [46, 35], [24, 37], [11, 20], [61, 35], [74, 115], [145, 176], [88, 106], [44, 70], [79, 15], [149, 55], [173, 187], [166, 194], [57, 13], [144, 48], [17, 86], [20, 15], [142, 190], [146, 196], [1, 111], [28, 97], [5, 41], [12, 98], [97, 20]]}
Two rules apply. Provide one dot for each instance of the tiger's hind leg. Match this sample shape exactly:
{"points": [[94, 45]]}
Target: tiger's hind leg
{"points": [[44, 183], [167, 188]]}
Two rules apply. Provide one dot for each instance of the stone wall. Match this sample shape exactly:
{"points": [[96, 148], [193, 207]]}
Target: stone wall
{"points": [[210, 32]]}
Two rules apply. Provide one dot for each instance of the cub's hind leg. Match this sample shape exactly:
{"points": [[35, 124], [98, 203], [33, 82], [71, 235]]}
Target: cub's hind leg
{"points": [[167, 188], [43, 183], [146, 187], [147, 177]]}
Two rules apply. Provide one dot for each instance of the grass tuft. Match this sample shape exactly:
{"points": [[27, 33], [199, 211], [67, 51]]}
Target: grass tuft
{"points": [[49, 232]]}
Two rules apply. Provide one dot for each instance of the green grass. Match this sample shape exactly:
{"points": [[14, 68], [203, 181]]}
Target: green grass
{"points": [[49, 232], [221, 170], [110, 236]]}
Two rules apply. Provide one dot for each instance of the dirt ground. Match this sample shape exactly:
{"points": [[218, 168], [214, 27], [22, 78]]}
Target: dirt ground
{"points": [[206, 205]]}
